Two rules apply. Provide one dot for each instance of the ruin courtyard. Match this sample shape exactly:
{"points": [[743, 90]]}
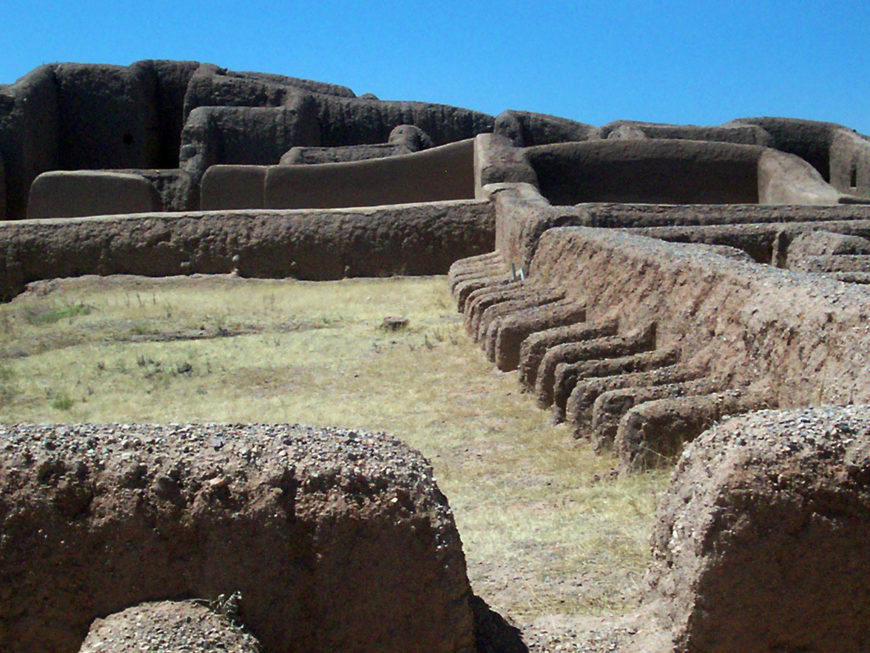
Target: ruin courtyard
{"points": [[651, 336]]}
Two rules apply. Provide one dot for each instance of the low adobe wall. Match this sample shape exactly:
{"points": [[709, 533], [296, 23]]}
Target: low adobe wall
{"points": [[439, 173], [317, 245], [233, 187], [654, 171], [734, 133], [675, 172], [841, 155], [765, 242], [76, 193], [804, 336], [523, 215], [760, 543], [337, 540]]}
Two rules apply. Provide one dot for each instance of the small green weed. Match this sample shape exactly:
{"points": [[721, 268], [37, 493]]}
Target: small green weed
{"points": [[43, 315], [60, 401]]}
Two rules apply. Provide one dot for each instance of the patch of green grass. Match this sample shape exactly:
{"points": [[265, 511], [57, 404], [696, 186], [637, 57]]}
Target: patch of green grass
{"points": [[42, 315], [59, 401], [531, 503]]}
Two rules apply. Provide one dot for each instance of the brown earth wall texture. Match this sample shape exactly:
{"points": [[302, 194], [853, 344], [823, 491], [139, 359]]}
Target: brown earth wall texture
{"points": [[315, 245], [523, 214], [337, 540], [808, 338], [761, 540]]}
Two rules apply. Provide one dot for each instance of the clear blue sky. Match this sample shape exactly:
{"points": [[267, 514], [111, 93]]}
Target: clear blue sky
{"points": [[681, 62]]}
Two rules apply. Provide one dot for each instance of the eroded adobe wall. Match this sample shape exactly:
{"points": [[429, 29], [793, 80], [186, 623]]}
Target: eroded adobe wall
{"points": [[437, 174], [337, 540], [765, 242], [525, 128], [760, 542], [841, 155], [743, 134], [762, 231], [86, 116], [318, 245], [805, 336], [650, 171], [72, 193], [850, 162], [29, 134]]}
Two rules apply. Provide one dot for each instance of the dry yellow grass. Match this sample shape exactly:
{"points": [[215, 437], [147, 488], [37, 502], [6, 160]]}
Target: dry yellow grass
{"points": [[545, 528]]}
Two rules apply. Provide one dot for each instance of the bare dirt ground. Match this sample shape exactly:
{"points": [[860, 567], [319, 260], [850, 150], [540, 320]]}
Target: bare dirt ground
{"points": [[555, 543]]}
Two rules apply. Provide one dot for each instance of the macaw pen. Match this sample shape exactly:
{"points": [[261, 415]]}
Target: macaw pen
{"points": [[239, 408]]}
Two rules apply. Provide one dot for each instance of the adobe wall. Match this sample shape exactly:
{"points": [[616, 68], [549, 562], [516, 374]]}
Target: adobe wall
{"points": [[525, 128], [650, 171], [317, 245], [841, 155], [337, 540], [233, 187], [523, 215], [74, 193], [107, 117], [735, 133], [850, 163], [765, 243], [28, 134], [439, 173], [760, 542], [804, 335]]}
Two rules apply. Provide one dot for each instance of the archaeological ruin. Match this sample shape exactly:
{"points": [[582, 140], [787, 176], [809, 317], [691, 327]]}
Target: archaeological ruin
{"points": [[687, 296]]}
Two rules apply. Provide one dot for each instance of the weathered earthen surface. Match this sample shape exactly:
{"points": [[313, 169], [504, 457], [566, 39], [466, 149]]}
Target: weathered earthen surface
{"points": [[316, 245], [733, 133], [437, 174], [609, 407], [651, 171], [403, 139], [480, 299], [807, 246], [78, 193], [535, 346], [804, 335], [28, 134], [633, 342], [583, 391], [525, 128], [761, 540], [653, 433], [515, 328], [233, 187], [164, 626], [336, 539]]}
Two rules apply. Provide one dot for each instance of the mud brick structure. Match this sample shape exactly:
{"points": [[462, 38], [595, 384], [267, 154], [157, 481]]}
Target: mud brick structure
{"points": [[761, 540], [644, 280], [336, 540]]}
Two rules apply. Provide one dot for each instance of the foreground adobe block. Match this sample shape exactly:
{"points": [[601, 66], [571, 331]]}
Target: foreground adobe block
{"points": [[761, 541], [168, 626], [78, 193], [337, 540]]}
